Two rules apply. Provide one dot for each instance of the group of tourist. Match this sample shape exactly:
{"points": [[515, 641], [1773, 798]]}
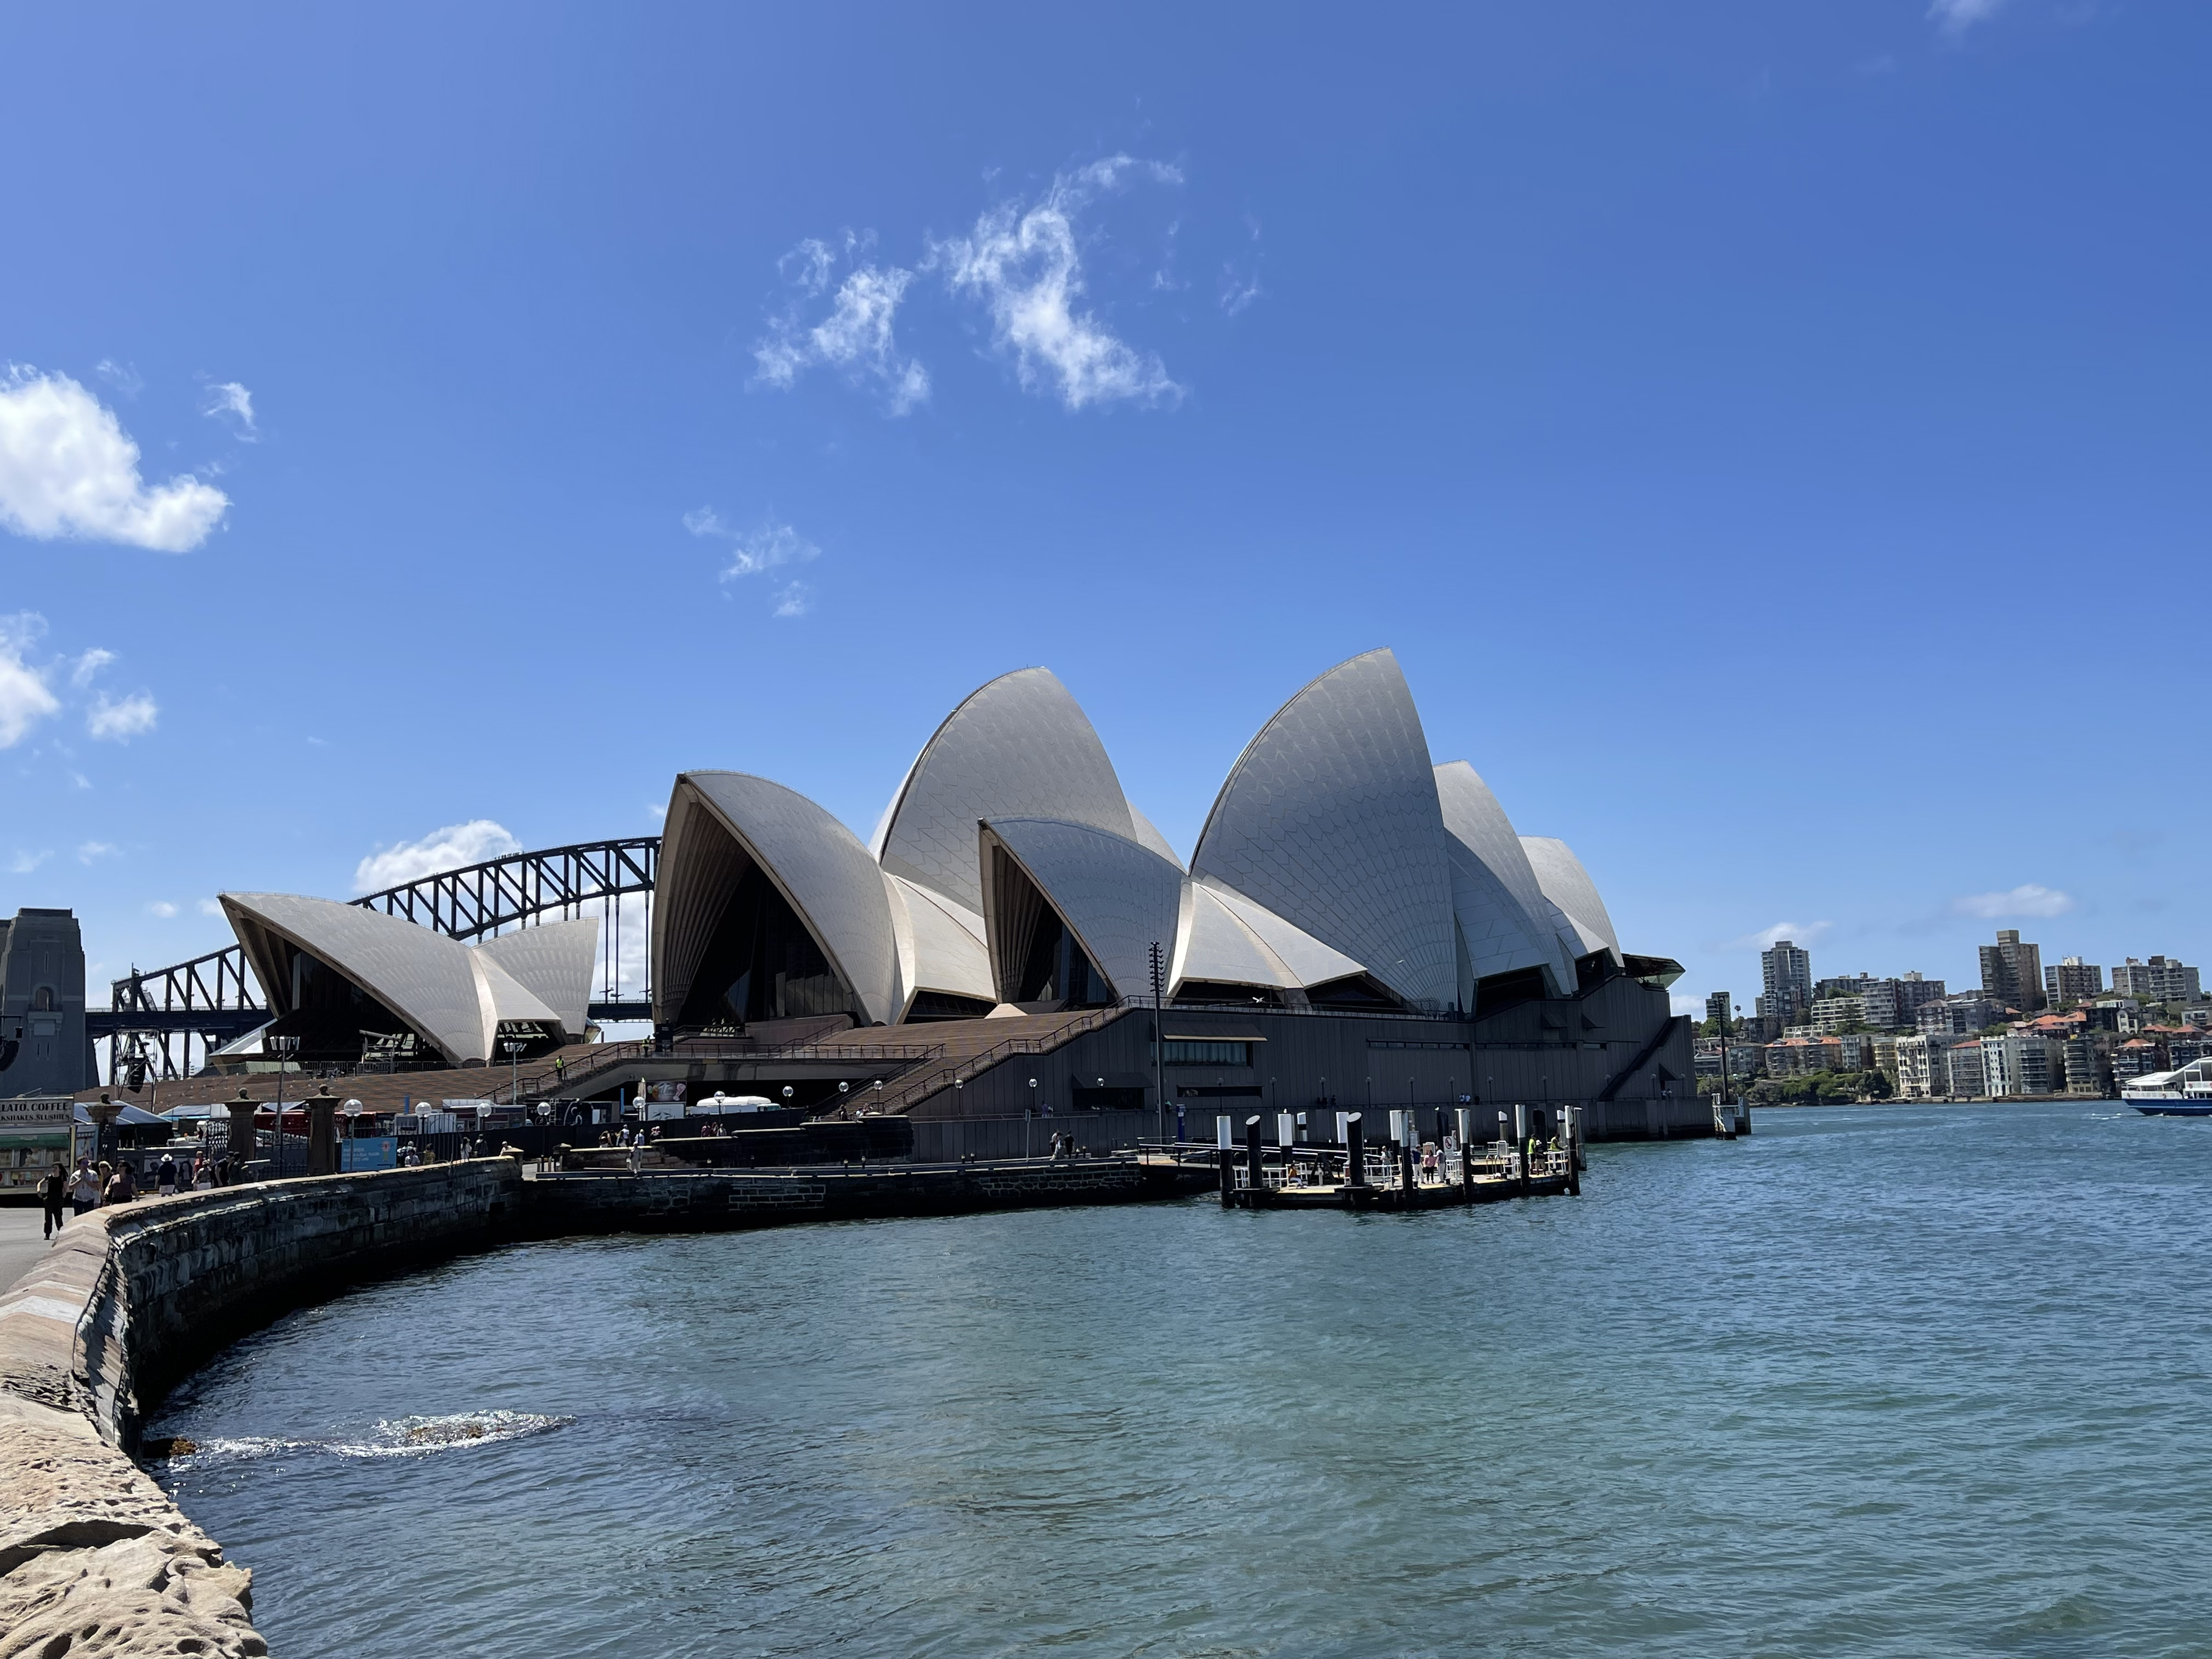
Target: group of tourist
{"points": [[91, 1185]]}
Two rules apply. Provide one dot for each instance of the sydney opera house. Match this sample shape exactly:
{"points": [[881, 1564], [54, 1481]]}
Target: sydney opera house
{"points": [[1357, 925]]}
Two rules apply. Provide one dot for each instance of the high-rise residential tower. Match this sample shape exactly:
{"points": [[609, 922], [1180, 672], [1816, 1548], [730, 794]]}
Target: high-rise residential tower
{"points": [[2012, 973], [2072, 979], [1786, 973]]}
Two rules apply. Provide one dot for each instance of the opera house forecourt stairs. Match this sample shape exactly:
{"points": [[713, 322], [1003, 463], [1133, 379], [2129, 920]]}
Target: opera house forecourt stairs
{"points": [[1358, 928]]}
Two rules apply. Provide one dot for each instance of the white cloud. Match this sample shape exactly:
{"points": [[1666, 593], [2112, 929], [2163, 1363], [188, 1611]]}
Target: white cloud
{"points": [[657, 809], [229, 400], [448, 849], [2027, 900], [123, 377], [1237, 291], [855, 336], [160, 908], [1800, 933], [209, 908], [769, 548], [1692, 1006], [67, 468], [120, 719], [1957, 17], [1024, 264], [24, 699], [23, 863], [88, 665], [92, 850]]}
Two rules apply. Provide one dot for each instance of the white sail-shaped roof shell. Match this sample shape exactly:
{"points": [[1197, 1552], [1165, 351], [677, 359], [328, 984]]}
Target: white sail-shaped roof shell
{"points": [[1148, 834], [454, 996], [1568, 887], [717, 821], [1329, 820], [1018, 747], [1503, 919], [1117, 898], [941, 945], [1225, 939], [554, 962]]}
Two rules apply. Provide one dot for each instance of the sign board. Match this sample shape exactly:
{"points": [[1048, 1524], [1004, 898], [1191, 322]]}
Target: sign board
{"points": [[368, 1152], [41, 1114]]}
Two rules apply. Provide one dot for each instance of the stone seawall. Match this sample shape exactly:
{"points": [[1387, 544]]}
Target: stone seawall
{"points": [[713, 1199], [93, 1558]]}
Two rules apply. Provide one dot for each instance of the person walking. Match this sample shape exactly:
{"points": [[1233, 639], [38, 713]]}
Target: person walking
{"points": [[165, 1176], [121, 1188], [84, 1186], [51, 1191]]}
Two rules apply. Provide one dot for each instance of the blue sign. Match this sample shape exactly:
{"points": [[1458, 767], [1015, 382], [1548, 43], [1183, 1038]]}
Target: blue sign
{"points": [[368, 1152]]}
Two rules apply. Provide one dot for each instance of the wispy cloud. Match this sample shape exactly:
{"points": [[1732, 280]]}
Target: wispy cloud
{"points": [[25, 699], [208, 907], [1024, 262], [160, 908], [1802, 934], [449, 849], [120, 719], [1957, 17], [123, 377], [229, 401], [23, 863], [754, 552], [2026, 900], [856, 337], [89, 665], [68, 469], [91, 851]]}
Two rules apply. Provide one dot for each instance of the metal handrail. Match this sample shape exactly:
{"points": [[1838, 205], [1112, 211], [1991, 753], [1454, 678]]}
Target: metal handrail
{"points": [[913, 1092], [608, 1056]]}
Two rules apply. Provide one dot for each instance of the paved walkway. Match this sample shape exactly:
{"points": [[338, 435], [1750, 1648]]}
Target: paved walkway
{"points": [[22, 1240]]}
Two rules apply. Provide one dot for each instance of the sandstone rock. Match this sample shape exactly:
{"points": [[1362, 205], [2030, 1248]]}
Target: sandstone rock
{"points": [[133, 1599], [60, 1489]]}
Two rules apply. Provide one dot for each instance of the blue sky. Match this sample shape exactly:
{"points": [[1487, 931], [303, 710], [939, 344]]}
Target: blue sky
{"points": [[1772, 437]]}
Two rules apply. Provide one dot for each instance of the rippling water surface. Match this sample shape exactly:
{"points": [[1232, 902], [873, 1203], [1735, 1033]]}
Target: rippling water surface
{"points": [[1877, 1381]]}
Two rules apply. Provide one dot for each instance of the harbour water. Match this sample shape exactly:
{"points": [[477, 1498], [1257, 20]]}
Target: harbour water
{"points": [[1911, 1381]]}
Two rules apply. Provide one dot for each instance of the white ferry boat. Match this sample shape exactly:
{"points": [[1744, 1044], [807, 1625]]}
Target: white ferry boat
{"points": [[2184, 1093]]}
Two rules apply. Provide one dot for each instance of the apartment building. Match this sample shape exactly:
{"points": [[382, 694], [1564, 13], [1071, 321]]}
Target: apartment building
{"points": [[1802, 1057], [2012, 972], [2159, 980], [2072, 979], [1786, 978], [1924, 1067], [2022, 1063]]}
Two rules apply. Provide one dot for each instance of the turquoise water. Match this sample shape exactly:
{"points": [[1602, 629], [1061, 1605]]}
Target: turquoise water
{"points": [[1908, 1380]]}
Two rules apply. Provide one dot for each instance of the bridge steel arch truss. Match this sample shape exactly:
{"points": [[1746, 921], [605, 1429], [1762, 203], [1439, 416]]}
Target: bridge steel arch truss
{"points": [[160, 1015]]}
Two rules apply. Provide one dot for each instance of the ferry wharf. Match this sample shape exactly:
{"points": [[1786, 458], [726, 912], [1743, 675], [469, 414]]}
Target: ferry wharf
{"points": [[1402, 1172]]}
